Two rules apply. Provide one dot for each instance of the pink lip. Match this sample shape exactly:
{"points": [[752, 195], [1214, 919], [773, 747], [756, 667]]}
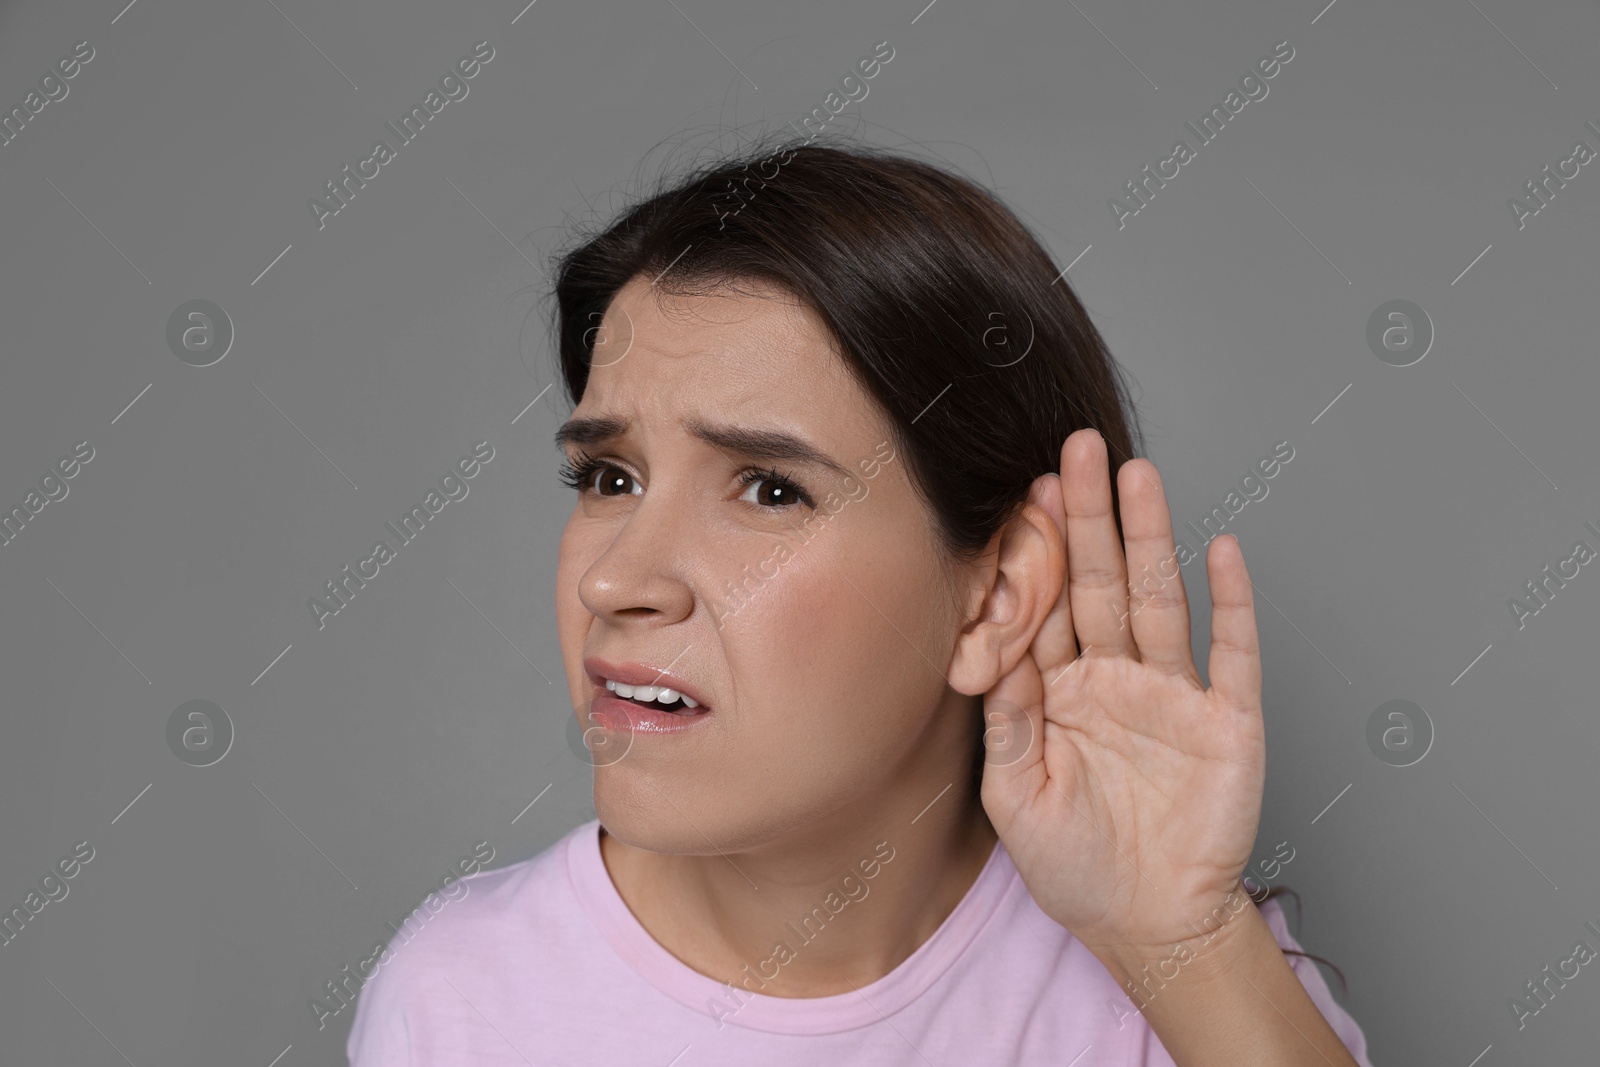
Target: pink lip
{"points": [[611, 712]]}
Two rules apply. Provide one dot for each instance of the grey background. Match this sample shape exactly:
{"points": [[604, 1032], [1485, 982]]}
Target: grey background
{"points": [[375, 752]]}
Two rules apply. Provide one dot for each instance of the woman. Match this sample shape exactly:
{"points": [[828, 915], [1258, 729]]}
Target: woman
{"points": [[889, 768]]}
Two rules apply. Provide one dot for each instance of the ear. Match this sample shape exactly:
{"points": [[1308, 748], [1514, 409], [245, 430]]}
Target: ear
{"points": [[1013, 592]]}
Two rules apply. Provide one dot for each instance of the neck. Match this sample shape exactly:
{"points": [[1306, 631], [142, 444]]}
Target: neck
{"points": [[826, 909]]}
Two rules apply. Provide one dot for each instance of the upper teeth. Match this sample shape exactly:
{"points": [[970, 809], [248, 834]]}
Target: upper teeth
{"points": [[650, 692]]}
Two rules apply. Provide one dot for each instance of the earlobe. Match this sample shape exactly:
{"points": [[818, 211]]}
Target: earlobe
{"points": [[1024, 580]]}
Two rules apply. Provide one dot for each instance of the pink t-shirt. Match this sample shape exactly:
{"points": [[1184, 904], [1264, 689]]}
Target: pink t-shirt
{"points": [[541, 963]]}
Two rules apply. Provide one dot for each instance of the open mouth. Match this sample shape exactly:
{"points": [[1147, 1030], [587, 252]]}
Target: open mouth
{"points": [[656, 698], [652, 700], [676, 706]]}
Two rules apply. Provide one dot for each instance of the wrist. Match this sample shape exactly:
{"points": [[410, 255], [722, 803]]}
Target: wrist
{"points": [[1218, 937], [1232, 999]]}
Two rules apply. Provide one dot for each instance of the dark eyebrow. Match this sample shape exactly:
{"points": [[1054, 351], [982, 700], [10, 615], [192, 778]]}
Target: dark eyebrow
{"points": [[744, 441]]}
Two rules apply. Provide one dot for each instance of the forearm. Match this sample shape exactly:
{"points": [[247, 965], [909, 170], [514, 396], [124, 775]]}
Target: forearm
{"points": [[1234, 1000]]}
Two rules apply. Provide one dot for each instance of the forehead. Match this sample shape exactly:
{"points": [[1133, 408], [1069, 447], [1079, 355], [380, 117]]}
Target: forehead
{"points": [[723, 355]]}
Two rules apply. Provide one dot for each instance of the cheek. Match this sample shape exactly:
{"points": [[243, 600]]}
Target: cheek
{"points": [[829, 654]]}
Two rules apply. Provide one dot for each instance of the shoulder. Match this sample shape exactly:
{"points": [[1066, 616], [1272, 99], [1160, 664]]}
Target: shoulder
{"points": [[483, 911], [493, 920]]}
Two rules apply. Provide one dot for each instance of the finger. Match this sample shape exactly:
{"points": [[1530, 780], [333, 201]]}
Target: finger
{"points": [[1096, 573], [1055, 645], [1158, 607], [1235, 665]]}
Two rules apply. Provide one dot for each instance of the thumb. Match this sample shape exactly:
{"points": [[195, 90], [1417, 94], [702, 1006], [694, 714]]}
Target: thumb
{"points": [[1013, 741]]}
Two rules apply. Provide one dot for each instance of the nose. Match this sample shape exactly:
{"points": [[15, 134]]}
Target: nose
{"points": [[640, 574]]}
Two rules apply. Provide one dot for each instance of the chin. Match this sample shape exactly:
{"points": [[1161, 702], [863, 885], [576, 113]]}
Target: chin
{"points": [[634, 812], [695, 822]]}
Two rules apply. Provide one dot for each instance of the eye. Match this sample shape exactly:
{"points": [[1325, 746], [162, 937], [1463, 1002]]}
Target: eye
{"points": [[765, 488], [580, 474], [780, 491]]}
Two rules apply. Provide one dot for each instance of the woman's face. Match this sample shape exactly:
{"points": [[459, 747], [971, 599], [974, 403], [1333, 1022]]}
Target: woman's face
{"points": [[807, 612]]}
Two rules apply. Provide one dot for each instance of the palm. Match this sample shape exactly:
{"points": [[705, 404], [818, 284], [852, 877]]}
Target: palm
{"points": [[1128, 794]]}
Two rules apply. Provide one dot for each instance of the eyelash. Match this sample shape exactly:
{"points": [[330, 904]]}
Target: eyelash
{"points": [[579, 474]]}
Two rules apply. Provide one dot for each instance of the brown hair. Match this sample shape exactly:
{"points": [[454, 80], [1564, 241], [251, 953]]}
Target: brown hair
{"points": [[943, 305]]}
